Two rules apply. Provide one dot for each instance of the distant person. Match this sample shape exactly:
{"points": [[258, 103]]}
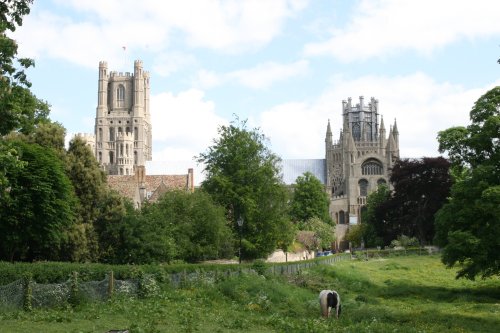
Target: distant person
{"points": [[328, 300]]}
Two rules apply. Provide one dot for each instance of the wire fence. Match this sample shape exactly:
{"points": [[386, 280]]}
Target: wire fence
{"points": [[27, 294]]}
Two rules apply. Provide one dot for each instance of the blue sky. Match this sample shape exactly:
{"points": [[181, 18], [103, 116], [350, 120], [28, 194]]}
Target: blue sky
{"points": [[285, 65]]}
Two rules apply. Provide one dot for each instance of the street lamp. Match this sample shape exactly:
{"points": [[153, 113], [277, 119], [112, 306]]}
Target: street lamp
{"points": [[240, 224]]}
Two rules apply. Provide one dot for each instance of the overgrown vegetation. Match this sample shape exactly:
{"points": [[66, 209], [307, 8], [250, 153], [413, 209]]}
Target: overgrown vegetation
{"points": [[403, 294], [468, 225]]}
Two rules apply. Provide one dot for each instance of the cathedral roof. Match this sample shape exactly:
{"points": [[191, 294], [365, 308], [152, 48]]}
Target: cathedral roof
{"points": [[291, 169], [155, 185], [125, 185]]}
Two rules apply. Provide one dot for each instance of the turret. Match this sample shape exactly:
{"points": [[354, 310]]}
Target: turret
{"points": [[138, 89], [328, 139], [391, 149], [102, 95], [381, 138], [395, 133]]}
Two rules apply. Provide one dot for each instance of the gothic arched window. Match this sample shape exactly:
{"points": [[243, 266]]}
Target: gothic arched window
{"points": [[356, 131], [369, 134], [341, 217], [120, 96], [363, 187], [381, 181], [111, 134], [372, 167]]}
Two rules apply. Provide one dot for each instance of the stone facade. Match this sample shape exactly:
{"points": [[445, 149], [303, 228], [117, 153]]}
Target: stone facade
{"points": [[123, 122], [358, 162], [122, 140]]}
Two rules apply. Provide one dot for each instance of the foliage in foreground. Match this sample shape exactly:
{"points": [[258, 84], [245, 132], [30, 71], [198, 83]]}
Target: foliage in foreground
{"points": [[421, 187], [243, 176], [468, 225], [404, 294]]}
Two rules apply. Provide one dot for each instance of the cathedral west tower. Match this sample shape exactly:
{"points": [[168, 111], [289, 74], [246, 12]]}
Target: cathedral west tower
{"points": [[123, 123]]}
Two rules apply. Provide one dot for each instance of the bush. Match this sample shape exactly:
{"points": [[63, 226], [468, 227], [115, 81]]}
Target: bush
{"points": [[405, 241], [259, 266]]}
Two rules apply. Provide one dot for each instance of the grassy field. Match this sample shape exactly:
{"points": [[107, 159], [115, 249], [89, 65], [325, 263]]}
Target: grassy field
{"points": [[403, 294]]}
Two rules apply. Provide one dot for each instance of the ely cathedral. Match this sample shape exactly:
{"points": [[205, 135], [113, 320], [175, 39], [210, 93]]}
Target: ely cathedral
{"points": [[358, 162], [354, 165]]}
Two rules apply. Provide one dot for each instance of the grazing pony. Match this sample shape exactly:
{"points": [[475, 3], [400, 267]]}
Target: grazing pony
{"points": [[329, 299]]}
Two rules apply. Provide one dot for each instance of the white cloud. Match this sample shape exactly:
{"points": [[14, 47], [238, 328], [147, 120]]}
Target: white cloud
{"points": [[168, 63], [384, 27], [184, 125], [261, 76], [421, 105], [264, 75], [92, 30], [207, 79]]}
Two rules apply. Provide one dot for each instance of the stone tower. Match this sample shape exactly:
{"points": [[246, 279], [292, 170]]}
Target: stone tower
{"points": [[123, 122], [358, 162]]}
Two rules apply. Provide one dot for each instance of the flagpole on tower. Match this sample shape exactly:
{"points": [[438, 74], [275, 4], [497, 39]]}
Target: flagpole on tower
{"points": [[124, 48]]}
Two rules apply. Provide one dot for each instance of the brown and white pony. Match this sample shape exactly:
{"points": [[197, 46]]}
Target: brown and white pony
{"points": [[328, 300]]}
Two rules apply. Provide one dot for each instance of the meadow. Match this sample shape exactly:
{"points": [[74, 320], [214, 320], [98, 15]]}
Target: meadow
{"points": [[400, 294]]}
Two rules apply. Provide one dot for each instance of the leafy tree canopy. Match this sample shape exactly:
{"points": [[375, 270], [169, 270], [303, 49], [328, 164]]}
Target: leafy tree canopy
{"points": [[37, 212], [324, 233], [421, 187], [19, 108], [243, 176], [468, 225], [309, 199], [90, 184]]}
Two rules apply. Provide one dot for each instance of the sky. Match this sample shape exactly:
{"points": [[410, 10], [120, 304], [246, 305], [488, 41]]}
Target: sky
{"points": [[283, 65]]}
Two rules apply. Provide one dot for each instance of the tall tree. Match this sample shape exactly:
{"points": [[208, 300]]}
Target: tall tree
{"points": [[243, 176], [38, 211], [19, 108], [421, 187], [197, 225], [324, 233], [468, 225], [375, 229], [309, 199], [91, 189], [116, 214]]}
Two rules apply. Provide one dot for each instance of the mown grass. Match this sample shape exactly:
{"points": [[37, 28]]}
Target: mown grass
{"points": [[404, 294]]}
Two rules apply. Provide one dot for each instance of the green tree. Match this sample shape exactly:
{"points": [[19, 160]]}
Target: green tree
{"points": [[50, 134], [147, 238], [116, 215], [91, 189], [38, 210], [421, 187], [468, 225], [243, 176], [375, 218], [324, 233], [19, 109], [309, 199], [355, 235], [197, 225]]}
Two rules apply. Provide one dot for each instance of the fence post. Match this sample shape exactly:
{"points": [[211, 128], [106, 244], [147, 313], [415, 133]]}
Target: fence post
{"points": [[74, 289], [111, 284], [28, 292]]}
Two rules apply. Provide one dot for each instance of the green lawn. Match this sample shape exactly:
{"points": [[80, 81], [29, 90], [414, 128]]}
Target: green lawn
{"points": [[403, 294]]}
